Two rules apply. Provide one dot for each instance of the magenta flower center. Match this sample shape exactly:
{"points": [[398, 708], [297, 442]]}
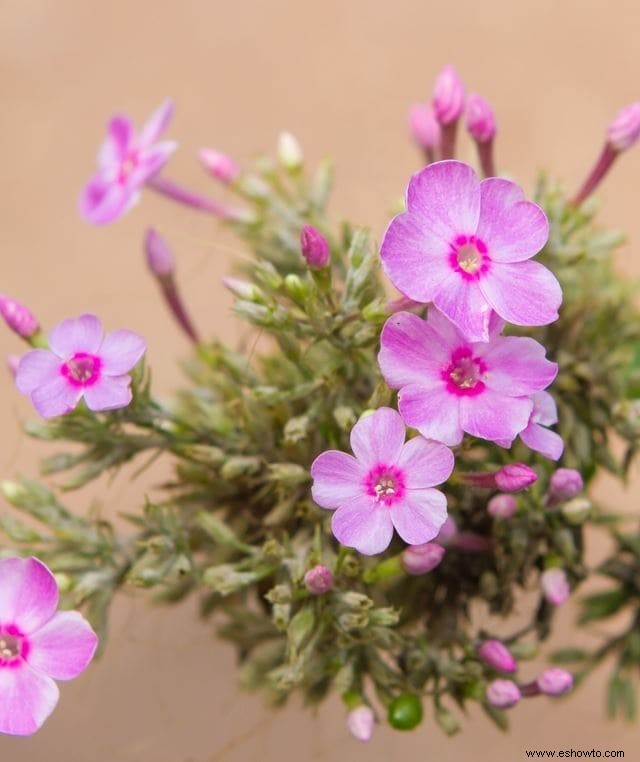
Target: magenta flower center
{"points": [[82, 369], [13, 646], [464, 374], [385, 483], [469, 256]]}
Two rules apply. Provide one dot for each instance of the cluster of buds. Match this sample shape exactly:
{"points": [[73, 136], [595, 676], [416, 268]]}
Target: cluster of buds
{"points": [[504, 694]]}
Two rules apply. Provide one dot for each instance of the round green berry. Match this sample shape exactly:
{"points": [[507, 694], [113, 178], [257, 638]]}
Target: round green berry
{"points": [[405, 712]]}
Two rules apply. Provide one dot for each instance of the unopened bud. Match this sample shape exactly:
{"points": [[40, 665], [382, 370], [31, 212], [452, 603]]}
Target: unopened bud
{"points": [[420, 559], [244, 290], [360, 722], [481, 121], [502, 506], [497, 655], [448, 532], [564, 484], [424, 127], [576, 510], [448, 96], [297, 289], [221, 166], [318, 580], [555, 682], [515, 477], [624, 130], [12, 364], [314, 246], [19, 318], [555, 586], [159, 256], [503, 694], [289, 152]]}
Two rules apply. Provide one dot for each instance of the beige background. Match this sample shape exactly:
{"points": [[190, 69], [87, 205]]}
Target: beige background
{"points": [[339, 74]]}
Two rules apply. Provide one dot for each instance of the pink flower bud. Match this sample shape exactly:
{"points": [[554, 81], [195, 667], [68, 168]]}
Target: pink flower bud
{"points": [[497, 655], [481, 121], [159, 256], [624, 130], [360, 722], [555, 586], [18, 317], [503, 694], [424, 126], [221, 166], [448, 531], [315, 248], [564, 484], [502, 506], [448, 96], [555, 682], [12, 364], [318, 580], [420, 559], [515, 477]]}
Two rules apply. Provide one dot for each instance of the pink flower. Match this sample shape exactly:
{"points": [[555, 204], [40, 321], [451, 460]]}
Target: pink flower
{"points": [[221, 166], [536, 436], [387, 484], [80, 363], [449, 385], [497, 655], [448, 96], [126, 161], [624, 130], [37, 645], [424, 127], [360, 722], [555, 586], [464, 244], [503, 694], [481, 121]]}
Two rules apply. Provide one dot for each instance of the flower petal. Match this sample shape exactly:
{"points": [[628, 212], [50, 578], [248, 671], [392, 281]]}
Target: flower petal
{"points": [[151, 162], [57, 397], [63, 647], [419, 517], [543, 440], [337, 477], [103, 200], [363, 524], [411, 352], [108, 393], [425, 463], [120, 351], [28, 698], [434, 412], [379, 437], [464, 304], [156, 124], [524, 293], [116, 145], [82, 334], [494, 416], [28, 594], [544, 409], [512, 229], [36, 368], [516, 366]]}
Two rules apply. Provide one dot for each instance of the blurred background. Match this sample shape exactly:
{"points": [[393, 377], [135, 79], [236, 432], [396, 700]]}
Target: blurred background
{"points": [[340, 75]]}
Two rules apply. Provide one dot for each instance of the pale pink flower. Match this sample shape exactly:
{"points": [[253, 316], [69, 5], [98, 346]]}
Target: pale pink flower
{"points": [[37, 645], [361, 722], [497, 655], [81, 362], [126, 161], [464, 245], [503, 694], [449, 385], [555, 586], [221, 166], [387, 484], [536, 435]]}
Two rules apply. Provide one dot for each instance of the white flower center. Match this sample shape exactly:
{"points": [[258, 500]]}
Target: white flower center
{"points": [[10, 646], [469, 258]]}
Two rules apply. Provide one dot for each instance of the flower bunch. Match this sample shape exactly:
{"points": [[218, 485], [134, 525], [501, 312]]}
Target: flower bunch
{"points": [[365, 505]]}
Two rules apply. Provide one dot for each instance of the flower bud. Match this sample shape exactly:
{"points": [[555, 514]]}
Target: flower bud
{"points": [[244, 290], [503, 694], [481, 121], [12, 364], [448, 531], [576, 510], [221, 166], [318, 580], [289, 152], [448, 96], [360, 722], [497, 655], [159, 256], [564, 484], [424, 127], [420, 559], [624, 130], [555, 586], [19, 318], [515, 477], [502, 506], [555, 682], [314, 246]]}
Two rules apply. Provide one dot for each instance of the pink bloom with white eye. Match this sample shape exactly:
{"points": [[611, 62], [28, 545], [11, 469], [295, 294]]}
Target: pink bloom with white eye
{"points": [[449, 385], [361, 722], [481, 121], [503, 694], [387, 485], [81, 362], [555, 586], [555, 682], [221, 166], [424, 127], [624, 130], [126, 161], [464, 245], [448, 96], [37, 645]]}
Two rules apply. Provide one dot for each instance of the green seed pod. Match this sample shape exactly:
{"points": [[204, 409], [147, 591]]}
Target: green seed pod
{"points": [[405, 712]]}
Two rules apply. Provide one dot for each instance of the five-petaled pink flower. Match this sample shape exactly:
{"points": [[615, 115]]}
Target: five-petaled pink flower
{"points": [[126, 161], [37, 645], [536, 435], [464, 244], [449, 385], [387, 484], [81, 362]]}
